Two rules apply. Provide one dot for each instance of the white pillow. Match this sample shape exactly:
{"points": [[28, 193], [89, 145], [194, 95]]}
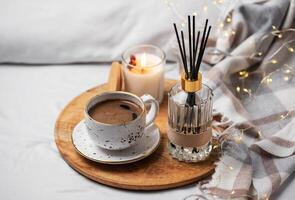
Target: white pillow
{"points": [[58, 31], [63, 31]]}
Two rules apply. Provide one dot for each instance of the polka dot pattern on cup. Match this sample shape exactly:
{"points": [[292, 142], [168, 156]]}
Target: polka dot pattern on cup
{"points": [[143, 148]]}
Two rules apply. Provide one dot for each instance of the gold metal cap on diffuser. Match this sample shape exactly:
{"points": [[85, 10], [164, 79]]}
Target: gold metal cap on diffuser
{"points": [[189, 85]]}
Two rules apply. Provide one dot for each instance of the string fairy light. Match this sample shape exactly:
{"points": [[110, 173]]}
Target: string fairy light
{"points": [[205, 8], [268, 80], [238, 89], [286, 78], [228, 19], [243, 74]]}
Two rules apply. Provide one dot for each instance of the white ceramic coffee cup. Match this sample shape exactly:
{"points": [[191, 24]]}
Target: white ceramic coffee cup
{"points": [[120, 136]]}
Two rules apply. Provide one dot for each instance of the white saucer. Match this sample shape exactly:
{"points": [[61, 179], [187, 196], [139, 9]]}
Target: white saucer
{"points": [[143, 148]]}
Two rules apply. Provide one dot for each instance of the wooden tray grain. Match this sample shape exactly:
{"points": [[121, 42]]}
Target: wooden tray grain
{"points": [[156, 172]]}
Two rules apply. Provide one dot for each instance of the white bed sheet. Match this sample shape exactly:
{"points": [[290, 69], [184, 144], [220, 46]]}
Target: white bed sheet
{"points": [[31, 98]]}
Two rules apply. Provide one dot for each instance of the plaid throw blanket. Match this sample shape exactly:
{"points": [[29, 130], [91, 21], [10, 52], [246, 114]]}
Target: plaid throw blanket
{"points": [[256, 109]]}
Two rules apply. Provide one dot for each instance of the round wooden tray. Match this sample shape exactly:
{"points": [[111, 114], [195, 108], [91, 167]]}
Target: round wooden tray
{"points": [[156, 172]]}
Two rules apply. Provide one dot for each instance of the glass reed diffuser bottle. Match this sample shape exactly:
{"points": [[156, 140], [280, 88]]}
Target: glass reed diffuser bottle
{"points": [[190, 103]]}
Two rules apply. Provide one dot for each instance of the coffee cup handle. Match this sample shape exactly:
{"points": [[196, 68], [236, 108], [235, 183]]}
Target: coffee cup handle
{"points": [[154, 110]]}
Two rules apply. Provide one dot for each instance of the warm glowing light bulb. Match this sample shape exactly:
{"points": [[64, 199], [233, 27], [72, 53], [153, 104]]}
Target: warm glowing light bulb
{"points": [[244, 74], [205, 8], [259, 135], [238, 89], [268, 80], [286, 78], [273, 61], [291, 49], [238, 139], [225, 33], [282, 116]]}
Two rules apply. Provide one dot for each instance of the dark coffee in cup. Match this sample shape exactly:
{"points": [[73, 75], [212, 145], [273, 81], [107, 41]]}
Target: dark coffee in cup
{"points": [[115, 111]]}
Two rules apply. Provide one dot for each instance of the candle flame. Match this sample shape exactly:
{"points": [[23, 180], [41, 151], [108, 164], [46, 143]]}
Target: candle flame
{"points": [[143, 60], [142, 65]]}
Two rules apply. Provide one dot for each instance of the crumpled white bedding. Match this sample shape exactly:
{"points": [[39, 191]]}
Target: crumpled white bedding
{"points": [[31, 98]]}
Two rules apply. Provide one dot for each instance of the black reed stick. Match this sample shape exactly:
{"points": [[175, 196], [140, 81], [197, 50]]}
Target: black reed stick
{"points": [[204, 47], [184, 54], [201, 46], [180, 48], [190, 47], [194, 45], [195, 54]]}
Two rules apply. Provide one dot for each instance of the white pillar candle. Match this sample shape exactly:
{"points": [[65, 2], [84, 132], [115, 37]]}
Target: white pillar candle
{"points": [[146, 77]]}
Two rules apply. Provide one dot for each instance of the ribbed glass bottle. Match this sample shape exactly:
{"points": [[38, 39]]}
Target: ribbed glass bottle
{"points": [[190, 124]]}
